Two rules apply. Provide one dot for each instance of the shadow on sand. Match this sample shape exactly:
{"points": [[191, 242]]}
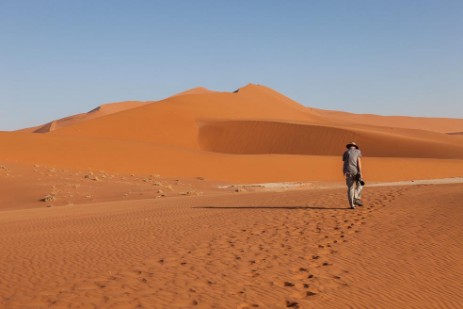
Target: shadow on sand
{"points": [[274, 207]]}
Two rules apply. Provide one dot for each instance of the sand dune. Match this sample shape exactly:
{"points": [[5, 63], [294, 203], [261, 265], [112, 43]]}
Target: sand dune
{"points": [[264, 137], [441, 125], [119, 156], [196, 90], [174, 120], [102, 110], [253, 134]]}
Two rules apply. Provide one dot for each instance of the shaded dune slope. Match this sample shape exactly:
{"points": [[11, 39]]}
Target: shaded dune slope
{"points": [[264, 137]]}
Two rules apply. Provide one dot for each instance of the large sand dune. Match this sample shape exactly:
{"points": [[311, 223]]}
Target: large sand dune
{"points": [[252, 134]]}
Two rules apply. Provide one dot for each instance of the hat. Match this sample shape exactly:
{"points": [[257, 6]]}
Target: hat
{"points": [[352, 144]]}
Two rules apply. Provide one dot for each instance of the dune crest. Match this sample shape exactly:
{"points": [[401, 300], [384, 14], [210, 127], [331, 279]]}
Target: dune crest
{"points": [[440, 125], [102, 110], [196, 90]]}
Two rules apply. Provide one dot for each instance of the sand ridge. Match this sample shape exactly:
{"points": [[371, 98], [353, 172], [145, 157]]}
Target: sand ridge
{"points": [[440, 125], [100, 111]]}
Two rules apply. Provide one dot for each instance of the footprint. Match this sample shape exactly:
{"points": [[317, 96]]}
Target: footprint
{"points": [[292, 304]]}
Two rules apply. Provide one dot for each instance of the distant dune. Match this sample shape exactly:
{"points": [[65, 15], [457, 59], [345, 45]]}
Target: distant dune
{"points": [[252, 134], [102, 110], [441, 125]]}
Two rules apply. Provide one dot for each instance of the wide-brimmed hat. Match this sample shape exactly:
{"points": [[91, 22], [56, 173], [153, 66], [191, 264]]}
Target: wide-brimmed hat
{"points": [[352, 144]]}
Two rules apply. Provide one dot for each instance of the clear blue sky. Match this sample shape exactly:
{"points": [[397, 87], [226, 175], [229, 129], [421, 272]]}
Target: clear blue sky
{"points": [[388, 57]]}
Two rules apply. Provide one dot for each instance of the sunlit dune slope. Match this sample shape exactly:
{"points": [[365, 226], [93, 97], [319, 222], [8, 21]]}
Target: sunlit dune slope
{"points": [[196, 90], [257, 120], [102, 110], [441, 125], [174, 121], [111, 155]]}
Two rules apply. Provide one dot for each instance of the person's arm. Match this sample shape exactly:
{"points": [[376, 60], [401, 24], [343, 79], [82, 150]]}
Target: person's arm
{"points": [[344, 158], [359, 164]]}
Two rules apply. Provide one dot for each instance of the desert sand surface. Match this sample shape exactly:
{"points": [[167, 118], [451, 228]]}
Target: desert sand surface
{"points": [[212, 199], [296, 249]]}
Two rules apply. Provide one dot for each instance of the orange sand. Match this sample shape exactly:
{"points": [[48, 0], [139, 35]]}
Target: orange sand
{"points": [[143, 204], [302, 248], [277, 139]]}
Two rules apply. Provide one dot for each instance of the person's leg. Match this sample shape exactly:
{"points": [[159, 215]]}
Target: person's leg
{"points": [[358, 193], [358, 190], [350, 190]]}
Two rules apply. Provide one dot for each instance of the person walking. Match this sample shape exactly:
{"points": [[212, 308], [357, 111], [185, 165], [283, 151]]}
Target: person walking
{"points": [[352, 170]]}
